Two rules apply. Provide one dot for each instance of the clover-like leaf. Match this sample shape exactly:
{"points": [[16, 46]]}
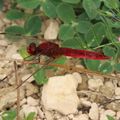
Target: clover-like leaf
{"points": [[40, 77], [95, 34], [106, 68], [66, 32], [83, 26], [66, 12], [72, 1], [117, 67], [90, 8], [109, 51], [14, 14], [1, 4], [9, 115], [49, 9], [33, 25], [92, 64], [31, 4], [14, 33]]}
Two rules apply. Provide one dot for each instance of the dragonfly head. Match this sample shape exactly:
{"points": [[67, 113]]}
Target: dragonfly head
{"points": [[32, 49]]}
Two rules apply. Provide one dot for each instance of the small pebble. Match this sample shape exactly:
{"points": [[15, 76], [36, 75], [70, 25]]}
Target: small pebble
{"points": [[40, 112], [27, 109], [32, 102], [48, 115], [94, 112], [78, 77], [52, 30], [81, 117], [117, 91], [94, 84], [27, 76]]}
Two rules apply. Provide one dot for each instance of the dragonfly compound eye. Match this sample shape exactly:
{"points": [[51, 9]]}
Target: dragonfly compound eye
{"points": [[32, 49]]}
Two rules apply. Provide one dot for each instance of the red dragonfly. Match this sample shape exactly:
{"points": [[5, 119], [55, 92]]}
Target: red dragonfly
{"points": [[53, 50]]}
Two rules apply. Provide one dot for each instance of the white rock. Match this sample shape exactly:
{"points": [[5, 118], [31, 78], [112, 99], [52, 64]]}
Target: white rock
{"points": [[94, 84], [48, 115], [26, 109], [3, 63], [98, 77], [78, 77], [11, 49], [27, 76], [8, 96], [85, 103], [117, 91], [118, 115], [40, 113], [52, 30], [60, 94], [1, 52], [94, 112], [109, 84], [24, 101], [32, 102], [3, 42], [64, 118], [17, 56], [103, 115], [2, 76], [81, 117], [31, 89], [71, 116]]}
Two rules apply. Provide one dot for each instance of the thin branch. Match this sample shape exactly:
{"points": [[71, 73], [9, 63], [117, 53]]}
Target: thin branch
{"points": [[18, 90]]}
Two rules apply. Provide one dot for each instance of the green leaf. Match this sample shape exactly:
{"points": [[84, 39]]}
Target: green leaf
{"points": [[1, 4], [60, 60], [95, 35], [40, 77], [106, 68], [56, 2], [97, 3], [66, 32], [83, 17], [66, 13], [33, 25], [116, 24], [72, 1], [30, 116], [83, 26], [14, 33], [117, 67], [92, 64], [110, 117], [49, 9], [14, 14], [9, 115], [71, 43], [113, 4], [90, 8], [109, 51], [28, 3], [23, 52]]}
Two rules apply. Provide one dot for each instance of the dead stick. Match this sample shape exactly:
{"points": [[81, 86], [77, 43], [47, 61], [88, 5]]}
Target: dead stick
{"points": [[75, 69], [18, 90]]}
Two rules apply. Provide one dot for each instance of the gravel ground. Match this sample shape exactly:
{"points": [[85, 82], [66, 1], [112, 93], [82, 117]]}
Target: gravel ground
{"points": [[74, 97]]}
